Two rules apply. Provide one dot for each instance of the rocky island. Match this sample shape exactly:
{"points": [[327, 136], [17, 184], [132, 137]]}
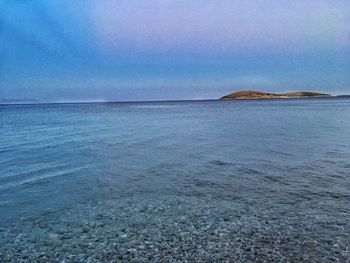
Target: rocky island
{"points": [[250, 94]]}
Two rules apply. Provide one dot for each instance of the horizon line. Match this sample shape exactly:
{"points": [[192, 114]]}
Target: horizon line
{"points": [[150, 101], [91, 102]]}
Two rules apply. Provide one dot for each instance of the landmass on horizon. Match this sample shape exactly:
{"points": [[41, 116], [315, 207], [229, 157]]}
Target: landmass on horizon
{"points": [[239, 95], [252, 94]]}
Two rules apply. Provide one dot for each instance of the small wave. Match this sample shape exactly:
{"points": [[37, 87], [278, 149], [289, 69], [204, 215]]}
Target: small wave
{"points": [[154, 106], [21, 175], [220, 163], [44, 176]]}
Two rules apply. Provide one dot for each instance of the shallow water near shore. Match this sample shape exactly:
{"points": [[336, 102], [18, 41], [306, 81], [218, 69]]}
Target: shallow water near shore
{"points": [[208, 181]]}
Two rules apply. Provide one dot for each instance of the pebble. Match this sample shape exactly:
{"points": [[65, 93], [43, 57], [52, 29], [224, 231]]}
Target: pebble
{"points": [[176, 230]]}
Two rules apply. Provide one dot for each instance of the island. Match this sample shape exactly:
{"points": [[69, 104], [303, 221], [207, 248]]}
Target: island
{"points": [[251, 94]]}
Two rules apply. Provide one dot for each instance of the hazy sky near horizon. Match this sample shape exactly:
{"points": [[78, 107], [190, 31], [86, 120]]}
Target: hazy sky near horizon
{"points": [[119, 50]]}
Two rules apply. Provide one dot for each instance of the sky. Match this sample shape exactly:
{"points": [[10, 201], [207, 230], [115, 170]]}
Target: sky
{"points": [[129, 50]]}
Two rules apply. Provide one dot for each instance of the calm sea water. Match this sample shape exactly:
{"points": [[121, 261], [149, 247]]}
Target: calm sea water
{"points": [[292, 154]]}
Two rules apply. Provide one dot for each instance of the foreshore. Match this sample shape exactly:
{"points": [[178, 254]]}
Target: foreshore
{"points": [[173, 229]]}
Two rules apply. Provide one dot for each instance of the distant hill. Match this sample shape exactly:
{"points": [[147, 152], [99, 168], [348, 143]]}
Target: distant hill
{"points": [[251, 94], [17, 101]]}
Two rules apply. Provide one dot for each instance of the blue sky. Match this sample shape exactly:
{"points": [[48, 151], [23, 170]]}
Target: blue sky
{"points": [[104, 50]]}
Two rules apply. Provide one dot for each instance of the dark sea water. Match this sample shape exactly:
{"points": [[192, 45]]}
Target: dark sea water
{"points": [[165, 181]]}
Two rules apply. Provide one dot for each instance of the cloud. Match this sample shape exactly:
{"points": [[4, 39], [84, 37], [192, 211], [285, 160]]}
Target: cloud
{"points": [[226, 25]]}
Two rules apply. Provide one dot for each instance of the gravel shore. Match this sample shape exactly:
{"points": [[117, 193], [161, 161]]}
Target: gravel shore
{"points": [[176, 229]]}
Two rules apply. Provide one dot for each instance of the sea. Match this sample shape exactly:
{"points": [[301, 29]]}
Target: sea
{"points": [[210, 181]]}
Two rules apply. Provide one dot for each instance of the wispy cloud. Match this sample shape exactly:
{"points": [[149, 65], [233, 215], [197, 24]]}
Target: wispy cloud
{"points": [[222, 26]]}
